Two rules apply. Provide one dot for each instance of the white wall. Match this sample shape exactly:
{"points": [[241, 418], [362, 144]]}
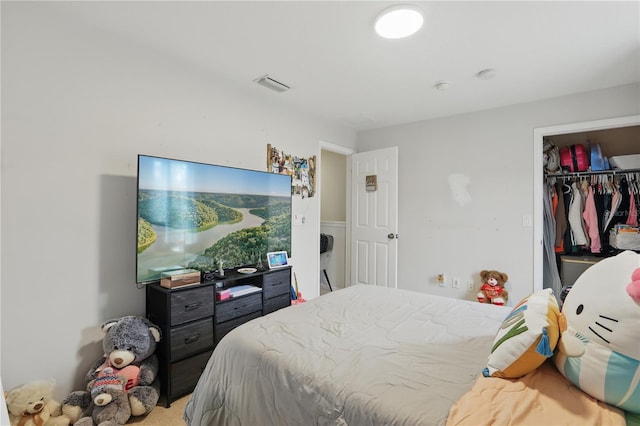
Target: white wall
{"points": [[333, 177], [465, 183], [78, 105]]}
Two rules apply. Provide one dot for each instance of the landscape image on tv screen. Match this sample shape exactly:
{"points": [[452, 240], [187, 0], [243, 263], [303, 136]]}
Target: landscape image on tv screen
{"points": [[198, 216]]}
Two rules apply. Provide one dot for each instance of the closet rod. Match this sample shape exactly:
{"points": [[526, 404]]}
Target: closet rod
{"points": [[589, 173]]}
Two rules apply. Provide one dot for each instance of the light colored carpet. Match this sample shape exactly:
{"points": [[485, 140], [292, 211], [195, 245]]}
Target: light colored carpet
{"points": [[161, 416]]}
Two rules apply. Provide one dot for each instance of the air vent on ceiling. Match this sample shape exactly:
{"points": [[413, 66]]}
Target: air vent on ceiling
{"points": [[271, 83]]}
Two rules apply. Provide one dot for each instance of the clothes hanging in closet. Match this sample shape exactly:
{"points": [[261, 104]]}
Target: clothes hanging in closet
{"points": [[619, 212], [561, 218], [576, 221], [590, 216], [551, 276], [584, 211]]}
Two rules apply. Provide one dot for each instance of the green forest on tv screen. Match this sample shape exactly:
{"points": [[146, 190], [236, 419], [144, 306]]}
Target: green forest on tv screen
{"points": [[198, 215]]}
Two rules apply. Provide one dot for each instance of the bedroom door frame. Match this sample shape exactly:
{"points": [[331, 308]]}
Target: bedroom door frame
{"points": [[327, 146], [538, 178]]}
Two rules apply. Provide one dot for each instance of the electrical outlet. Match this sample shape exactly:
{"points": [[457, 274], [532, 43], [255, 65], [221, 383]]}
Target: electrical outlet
{"points": [[470, 285], [298, 219], [456, 282]]}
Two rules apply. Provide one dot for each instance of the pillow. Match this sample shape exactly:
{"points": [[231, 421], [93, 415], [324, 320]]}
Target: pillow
{"points": [[599, 351], [526, 338]]}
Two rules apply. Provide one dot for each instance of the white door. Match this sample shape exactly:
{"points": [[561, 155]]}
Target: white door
{"points": [[374, 217]]}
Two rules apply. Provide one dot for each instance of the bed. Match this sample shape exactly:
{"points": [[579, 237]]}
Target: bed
{"points": [[360, 355]]}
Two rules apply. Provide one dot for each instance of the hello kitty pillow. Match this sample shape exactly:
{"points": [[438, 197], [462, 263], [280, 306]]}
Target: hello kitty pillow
{"points": [[599, 352]]}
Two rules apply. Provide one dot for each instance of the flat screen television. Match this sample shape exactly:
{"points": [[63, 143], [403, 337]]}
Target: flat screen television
{"points": [[194, 215]]}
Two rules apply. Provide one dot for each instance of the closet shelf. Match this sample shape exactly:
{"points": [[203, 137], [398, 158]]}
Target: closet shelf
{"points": [[612, 172]]}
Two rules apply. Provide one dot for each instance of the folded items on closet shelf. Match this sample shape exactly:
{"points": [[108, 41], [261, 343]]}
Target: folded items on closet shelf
{"points": [[625, 237]]}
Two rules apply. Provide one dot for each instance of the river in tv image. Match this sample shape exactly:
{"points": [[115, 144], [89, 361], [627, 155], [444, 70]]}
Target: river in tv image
{"points": [[172, 244]]}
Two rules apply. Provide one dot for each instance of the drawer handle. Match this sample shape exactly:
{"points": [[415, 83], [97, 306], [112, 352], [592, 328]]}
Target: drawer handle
{"points": [[192, 306], [192, 339]]}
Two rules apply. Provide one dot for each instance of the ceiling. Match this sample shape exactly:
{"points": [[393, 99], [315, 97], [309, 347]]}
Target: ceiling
{"points": [[340, 70]]}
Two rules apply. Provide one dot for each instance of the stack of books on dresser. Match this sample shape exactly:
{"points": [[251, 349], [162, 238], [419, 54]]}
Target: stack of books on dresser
{"points": [[236, 291], [241, 290]]}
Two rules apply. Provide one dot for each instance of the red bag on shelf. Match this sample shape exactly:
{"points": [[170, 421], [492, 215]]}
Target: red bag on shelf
{"points": [[574, 158]]}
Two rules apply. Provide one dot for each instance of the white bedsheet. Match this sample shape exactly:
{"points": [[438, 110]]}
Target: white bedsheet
{"points": [[359, 356]]}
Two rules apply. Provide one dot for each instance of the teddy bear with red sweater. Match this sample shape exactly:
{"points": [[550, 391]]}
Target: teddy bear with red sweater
{"points": [[492, 289]]}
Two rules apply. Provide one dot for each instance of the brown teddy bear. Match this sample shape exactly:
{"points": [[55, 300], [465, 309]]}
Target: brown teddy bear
{"points": [[492, 290]]}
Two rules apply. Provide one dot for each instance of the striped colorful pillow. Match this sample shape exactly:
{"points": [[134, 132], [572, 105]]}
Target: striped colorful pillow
{"points": [[526, 338]]}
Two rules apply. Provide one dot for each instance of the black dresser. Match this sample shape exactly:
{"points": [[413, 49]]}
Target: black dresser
{"points": [[193, 321]]}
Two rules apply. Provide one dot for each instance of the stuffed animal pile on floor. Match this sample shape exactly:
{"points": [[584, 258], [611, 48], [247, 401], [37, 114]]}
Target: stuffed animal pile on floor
{"points": [[122, 383]]}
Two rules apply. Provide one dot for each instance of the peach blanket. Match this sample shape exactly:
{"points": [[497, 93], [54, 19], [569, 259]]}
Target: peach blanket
{"points": [[542, 397]]}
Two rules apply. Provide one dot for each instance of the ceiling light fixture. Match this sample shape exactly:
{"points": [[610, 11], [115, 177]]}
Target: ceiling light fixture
{"points": [[399, 22]]}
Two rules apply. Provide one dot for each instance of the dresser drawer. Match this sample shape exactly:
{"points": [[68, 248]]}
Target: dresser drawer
{"points": [[191, 338], [276, 283], [276, 303], [234, 308], [191, 304], [226, 327], [185, 374]]}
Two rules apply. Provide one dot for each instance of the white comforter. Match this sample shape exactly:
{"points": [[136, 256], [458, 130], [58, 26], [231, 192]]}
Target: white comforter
{"points": [[359, 356]]}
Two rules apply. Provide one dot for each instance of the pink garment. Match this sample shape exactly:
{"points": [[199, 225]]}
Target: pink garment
{"points": [[575, 217], [633, 212], [615, 205], [590, 216]]}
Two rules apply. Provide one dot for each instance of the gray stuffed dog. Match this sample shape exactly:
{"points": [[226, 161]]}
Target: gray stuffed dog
{"points": [[129, 350]]}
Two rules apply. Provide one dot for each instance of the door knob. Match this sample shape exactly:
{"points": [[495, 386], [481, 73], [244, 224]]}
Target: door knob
{"points": [[392, 236]]}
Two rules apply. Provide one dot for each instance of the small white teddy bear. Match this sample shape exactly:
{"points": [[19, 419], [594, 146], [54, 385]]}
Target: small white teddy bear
{"points": [[32, 404]]}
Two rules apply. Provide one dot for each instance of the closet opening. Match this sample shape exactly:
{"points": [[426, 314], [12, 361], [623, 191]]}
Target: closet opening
{"points": [[589, 210]]}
